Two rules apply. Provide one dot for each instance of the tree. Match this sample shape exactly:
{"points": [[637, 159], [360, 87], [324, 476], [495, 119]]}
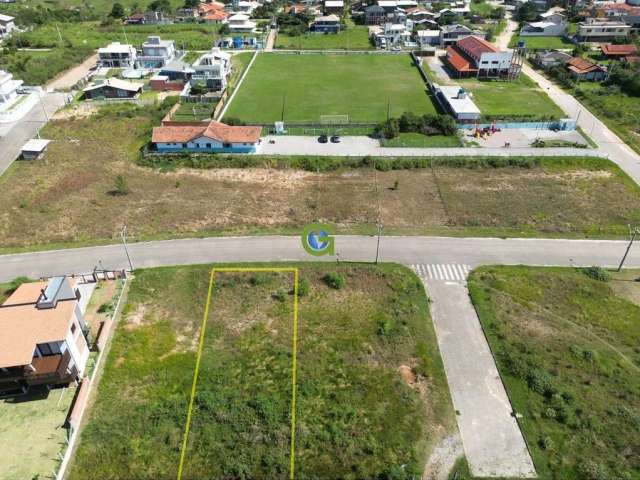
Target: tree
{"points": [[224, 30], [191, 3], [527, 12], [160, 6], [117, 11], [121, 187]]}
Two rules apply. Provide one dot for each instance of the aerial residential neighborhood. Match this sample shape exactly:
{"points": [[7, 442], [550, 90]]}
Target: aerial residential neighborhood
{"points": [[319, 239]]}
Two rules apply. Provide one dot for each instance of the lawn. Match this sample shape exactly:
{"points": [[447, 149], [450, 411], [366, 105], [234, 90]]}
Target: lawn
{"points": [[193, 112], [417, 140], [372, 398], [365, 87], [542, 42], [518, 99], [620, 112], [69, 191], [353, 38], [566, 346], [32, 433], [38, 67]]}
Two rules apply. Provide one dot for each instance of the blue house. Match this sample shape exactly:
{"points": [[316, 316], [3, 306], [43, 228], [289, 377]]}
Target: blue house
{"points": [[211, 137]]}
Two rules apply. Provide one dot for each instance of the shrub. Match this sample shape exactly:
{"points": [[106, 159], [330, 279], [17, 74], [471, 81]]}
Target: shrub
{"points": [[597, 273], [334, 280], [546, 443], [280, 296], [303, 288], [120, 185], [540, 382]]}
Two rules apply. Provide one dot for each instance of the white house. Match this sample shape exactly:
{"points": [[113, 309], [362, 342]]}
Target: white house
{"points": [[240, 23], [550, 24], [212, 68], [7, 25], [156, 53], [455, 100], [8, 89], [211, 137], [594, 30], [117, 55], [43, 340]]}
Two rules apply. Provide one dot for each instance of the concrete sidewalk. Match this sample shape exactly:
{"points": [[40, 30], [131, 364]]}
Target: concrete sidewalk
{"points": [[493, 443]]}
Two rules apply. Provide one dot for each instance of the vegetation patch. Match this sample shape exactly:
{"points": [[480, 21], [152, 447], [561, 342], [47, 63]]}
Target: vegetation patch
{"points": [[357, 416], [352, 38], [567, 349]]}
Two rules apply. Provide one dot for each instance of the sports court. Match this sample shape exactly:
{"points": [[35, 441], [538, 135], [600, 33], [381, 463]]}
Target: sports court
{"points": [[354, 87]]}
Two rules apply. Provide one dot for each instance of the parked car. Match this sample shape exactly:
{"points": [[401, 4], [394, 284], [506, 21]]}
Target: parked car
{"points": [[322, 139], [335, 138]]}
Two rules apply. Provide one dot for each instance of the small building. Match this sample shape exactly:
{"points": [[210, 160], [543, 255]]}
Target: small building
{"points": [[374, 15], [112, 88], [333, 6], [8, 89], [34, 148], [325, 24], [216, 17], [177, 70], [117, 55], [209, 137], [428, 38], [543, 28], [452, 33], [7, 25], [474, 56], [156, 52], [594, 30], [240, 23], [618, 52], [456, 101], [162, 83], [583, 69], [212, 69], [43, 340], [547, 59]]}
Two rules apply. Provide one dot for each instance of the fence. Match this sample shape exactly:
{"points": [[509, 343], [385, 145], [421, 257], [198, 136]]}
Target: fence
{"points": [[564, 124]]}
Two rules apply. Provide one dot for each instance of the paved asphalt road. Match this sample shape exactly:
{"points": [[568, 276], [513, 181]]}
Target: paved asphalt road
{"points": [[406, 250], [14, 136]]}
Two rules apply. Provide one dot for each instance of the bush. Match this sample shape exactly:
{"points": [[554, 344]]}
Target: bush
{"points": [[334, 280], [597, 273], [280, 296], [303, 288], [120, 185]]}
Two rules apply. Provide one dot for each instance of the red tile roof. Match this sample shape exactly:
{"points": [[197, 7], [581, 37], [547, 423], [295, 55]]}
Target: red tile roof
{"points": [[618, 50], [475, 46], [295, 9], [210, 7], [458, 61], [214, 130], [215, 15], [582, 65]]}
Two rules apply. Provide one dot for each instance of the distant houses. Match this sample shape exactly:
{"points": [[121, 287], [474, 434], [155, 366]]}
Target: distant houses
{"points": [[208, 137]]}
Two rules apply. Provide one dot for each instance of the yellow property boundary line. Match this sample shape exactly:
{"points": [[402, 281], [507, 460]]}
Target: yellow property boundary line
{"points": [[185, 439]]}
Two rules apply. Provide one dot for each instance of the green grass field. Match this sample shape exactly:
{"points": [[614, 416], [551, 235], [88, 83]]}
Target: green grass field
{"points": [[372, 395], [417, 140], [353, 38], [567, 349], [365, 87], [542, 42], [517, 99]]}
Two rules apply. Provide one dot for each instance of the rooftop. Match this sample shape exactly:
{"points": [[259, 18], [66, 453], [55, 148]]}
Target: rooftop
{"points": [[621, 50], [214, 130], [115, 83], [458, 99]]}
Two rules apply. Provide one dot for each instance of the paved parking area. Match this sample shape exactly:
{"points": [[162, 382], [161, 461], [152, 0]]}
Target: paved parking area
{"points": [[524, 137]]}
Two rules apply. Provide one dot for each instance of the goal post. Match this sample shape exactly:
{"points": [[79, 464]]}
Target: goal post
{"points": [[334, 119]]}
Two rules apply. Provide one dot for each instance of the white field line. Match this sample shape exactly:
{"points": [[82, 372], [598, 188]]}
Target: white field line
{"points": [[74, 436], [238, 85]]}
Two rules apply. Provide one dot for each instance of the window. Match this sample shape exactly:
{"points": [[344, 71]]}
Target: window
{"points": [[227, 145], [73, 328]]}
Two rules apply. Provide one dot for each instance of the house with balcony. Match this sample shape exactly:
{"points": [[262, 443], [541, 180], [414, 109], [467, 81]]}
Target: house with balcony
{"points": [[42, 336], [212, 69], [8, 89], [241, 23], [551, 24], [596, 30], [156, 53], [7, 25], [452, 33], [117, 55], [206, 137], [325, 24], [474, 56]]}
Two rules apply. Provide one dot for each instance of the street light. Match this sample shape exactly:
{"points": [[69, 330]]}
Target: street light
{"points": [[634, 233], [123, 235]]}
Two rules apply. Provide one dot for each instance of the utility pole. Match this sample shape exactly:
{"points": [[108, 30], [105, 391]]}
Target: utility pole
{"points": [[634, 233], [123, 235], [59, 35], [380, 227]]}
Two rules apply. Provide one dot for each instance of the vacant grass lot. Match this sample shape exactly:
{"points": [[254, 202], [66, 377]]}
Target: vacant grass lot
{"points": [[542, 42], [304, 87], [38, 67], [372, 395], [188, 36], [517, 99], [69, 191], [567, 349], [418, 140], [353, 38]]}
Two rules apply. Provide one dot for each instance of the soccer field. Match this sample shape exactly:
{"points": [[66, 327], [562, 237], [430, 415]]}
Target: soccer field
{"points": [[304, 87]]}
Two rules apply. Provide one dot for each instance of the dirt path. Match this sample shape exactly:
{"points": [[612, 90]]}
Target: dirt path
{"points": [[69, 78], [443, 458]]}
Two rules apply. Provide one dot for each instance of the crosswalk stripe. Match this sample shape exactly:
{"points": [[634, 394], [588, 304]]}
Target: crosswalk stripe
{"points": [[442, 271]]}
